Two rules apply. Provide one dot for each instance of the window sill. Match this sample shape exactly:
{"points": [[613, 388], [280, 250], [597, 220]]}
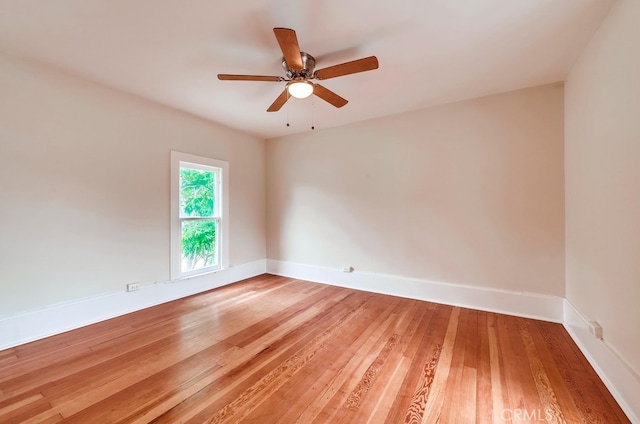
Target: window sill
{"points": [[197, 274]]}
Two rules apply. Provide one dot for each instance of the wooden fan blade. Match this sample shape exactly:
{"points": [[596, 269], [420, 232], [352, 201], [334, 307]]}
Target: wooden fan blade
{"points": [[232, 77], [288, 42], [329, 96], [353, 67], [280, 101]]}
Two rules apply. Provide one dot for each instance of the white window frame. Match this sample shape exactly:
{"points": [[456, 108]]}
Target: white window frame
{"points": [[179, 159]]}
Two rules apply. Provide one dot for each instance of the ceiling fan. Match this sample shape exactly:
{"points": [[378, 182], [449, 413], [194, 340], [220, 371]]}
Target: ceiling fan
{"points": [[299, 67]]}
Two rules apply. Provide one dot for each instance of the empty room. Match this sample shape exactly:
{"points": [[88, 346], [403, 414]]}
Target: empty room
{"points": [[320, 212]]}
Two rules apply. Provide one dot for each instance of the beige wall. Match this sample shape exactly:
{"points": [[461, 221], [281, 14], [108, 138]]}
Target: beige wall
{"points": [[603, 181], [470, 193], [84, 187]]}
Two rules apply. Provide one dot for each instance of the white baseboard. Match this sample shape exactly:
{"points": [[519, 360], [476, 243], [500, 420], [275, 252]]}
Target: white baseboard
{"points": [[26, 327], [528, 305], [621, 381]]}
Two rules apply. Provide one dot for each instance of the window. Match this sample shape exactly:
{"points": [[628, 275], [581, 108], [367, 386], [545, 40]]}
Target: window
{"points": [[199, 215]]}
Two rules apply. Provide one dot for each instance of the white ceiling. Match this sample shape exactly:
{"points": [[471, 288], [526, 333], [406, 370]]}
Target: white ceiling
{"points": [[430, 51]]}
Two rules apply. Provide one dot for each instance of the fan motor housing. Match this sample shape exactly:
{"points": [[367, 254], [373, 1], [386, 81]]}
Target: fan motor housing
{"points": [[308, 66]]}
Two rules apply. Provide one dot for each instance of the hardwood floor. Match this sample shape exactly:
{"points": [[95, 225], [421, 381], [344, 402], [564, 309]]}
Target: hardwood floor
{"points": [[277, 350]]}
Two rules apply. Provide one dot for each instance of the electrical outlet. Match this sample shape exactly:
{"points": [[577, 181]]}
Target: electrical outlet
{"points": [[133, 287], [595, 329], [347, 269]]}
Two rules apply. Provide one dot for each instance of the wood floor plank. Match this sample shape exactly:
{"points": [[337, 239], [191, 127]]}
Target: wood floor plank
{"points": [[384, 401], [436, 399], [551, 407], [484, 403], [150, 358], [418, 403], [338, 365], [248, 400], [520, 382], [346, 394], [500, 398], [587, 390], [19, 402], [278, 350], [258, 363], [383, 319], [423, 351], [455, 390], [388, 378], [245, 358], [566, 402], [359, 404]]}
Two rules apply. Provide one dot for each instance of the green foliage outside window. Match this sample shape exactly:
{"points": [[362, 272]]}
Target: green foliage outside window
{"points": [[198, 236]]}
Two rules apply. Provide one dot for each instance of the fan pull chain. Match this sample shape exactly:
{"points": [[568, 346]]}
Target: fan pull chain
{"points": [[287, 106], [313, 108]]}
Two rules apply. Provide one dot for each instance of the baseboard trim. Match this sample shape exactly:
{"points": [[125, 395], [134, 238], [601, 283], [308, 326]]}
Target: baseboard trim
{"points": [[55, 319], [528, 305], [615, 374]]}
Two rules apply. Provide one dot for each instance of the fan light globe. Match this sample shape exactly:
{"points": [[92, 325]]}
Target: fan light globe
{"points": [[300, 89]]}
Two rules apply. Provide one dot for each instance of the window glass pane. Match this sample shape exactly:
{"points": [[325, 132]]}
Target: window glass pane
{"points": [[199, 244], [197, 192]]}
